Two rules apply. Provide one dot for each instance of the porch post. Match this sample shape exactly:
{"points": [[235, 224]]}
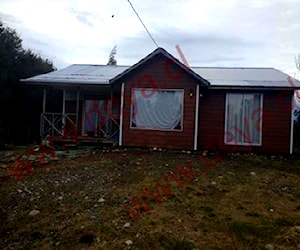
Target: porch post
{"points": [[42, 121], [83, 115], [196, 118], [121, 115], [109, 111], [292, 127], [77, 110], [44, 99], [64, 112]]}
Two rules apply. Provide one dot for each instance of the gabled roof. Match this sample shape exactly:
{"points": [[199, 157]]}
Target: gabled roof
{"points": [[160, 51], [218, 77]]}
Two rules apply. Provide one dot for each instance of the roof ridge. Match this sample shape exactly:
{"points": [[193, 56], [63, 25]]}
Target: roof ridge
{"points": [[194, 67], [218, 67], [168, 56], [86, 64]]}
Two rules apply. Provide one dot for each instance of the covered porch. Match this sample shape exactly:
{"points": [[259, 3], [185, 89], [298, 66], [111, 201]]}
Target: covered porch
{"points": [[80, 115]]}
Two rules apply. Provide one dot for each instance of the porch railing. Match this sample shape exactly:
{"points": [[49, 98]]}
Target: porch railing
{"points": [[64, 125], [58, 124]]}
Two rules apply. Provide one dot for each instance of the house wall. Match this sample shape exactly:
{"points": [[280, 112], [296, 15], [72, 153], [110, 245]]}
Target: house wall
{"points": [[276, 124], [160, 73]]}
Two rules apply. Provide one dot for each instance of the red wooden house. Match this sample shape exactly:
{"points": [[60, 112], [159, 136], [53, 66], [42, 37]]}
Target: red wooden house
{"points": [[159, 102]]}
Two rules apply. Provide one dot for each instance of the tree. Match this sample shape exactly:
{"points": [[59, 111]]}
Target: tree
{"points": [[18, 103], [297, 62], [10, 49], [112, 56], [297, 110]]}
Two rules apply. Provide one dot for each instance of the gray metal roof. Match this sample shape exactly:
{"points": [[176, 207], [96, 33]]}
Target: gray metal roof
{"points": [[246, 77], [217, 76], [79, 74]]}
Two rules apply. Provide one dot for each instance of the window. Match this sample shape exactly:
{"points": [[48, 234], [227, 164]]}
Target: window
{"points": [[160, 109], [243, 121]]}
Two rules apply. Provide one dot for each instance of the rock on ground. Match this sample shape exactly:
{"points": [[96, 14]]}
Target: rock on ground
{"points": [[34, 212]]}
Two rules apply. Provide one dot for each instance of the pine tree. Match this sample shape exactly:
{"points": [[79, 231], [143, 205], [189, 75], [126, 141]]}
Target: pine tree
{"points": [[112, 56], [18, 103]]}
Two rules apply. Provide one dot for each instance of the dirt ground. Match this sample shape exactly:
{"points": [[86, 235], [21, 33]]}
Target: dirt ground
{"points": [[137, 199]]}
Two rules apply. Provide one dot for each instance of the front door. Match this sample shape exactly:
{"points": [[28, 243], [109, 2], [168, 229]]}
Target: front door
{"points": [[96, 120]]}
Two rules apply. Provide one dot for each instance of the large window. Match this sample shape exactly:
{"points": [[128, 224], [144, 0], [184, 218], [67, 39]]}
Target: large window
{"points": [[160, 109], [243, 121]]}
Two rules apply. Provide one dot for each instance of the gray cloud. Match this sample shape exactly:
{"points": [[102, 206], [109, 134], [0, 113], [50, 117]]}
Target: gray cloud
{"points": [[200, 49], [200, 38], [83, 16], [258, 33], [7, 18]]}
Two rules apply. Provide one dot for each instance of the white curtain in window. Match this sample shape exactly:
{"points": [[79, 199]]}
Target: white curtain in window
{"points": [[242, 119], [157, 109]]}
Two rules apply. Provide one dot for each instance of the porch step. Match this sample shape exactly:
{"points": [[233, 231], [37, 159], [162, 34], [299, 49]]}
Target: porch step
{"points": [[81, 140], [96, 141]]}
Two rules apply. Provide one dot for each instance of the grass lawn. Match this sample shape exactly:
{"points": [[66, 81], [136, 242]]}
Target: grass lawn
{"points": [[242, 202]]}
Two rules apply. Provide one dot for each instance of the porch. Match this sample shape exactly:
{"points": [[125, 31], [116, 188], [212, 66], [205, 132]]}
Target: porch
{"points": [[85, 118]]}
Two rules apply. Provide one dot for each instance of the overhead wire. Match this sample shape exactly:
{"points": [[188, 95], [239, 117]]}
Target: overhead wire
{"points": [[148, 32]]}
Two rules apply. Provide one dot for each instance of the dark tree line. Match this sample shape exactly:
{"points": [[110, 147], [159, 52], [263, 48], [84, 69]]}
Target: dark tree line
{"points": [[20, 104]]}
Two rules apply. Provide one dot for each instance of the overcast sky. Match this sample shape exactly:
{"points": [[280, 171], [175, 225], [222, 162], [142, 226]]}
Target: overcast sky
{"points": [[229, 33]]}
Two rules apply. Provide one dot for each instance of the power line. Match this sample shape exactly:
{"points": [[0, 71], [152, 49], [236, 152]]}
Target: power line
{"points": [[143, 23]]}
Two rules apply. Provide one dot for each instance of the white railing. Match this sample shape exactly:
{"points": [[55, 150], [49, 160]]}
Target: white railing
{"points": [[58, 124], [64, 125]]}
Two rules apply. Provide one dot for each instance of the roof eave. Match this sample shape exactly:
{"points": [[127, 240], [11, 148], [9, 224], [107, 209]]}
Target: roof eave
{"points": [[61, 82], [252, 88]]}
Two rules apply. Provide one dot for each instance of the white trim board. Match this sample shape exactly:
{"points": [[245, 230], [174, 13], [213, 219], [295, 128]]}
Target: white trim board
{"points": [[292, 128], [196, 118], [121, 115]]}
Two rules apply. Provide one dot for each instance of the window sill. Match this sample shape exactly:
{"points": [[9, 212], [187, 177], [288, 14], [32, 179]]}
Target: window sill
{"points": [[242, 144], [157, 129]]}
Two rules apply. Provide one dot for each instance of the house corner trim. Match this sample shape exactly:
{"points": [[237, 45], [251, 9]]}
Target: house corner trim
{"points": [[292, 128], [121, 115], [196, 118]]}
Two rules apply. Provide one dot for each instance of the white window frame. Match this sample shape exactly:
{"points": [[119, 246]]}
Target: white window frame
{"points": [[261, 120], [157, 89]]}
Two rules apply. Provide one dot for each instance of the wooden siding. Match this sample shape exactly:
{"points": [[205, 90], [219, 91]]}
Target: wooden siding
{"points": [[160, 73], [277, 121], [276, 124]]}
